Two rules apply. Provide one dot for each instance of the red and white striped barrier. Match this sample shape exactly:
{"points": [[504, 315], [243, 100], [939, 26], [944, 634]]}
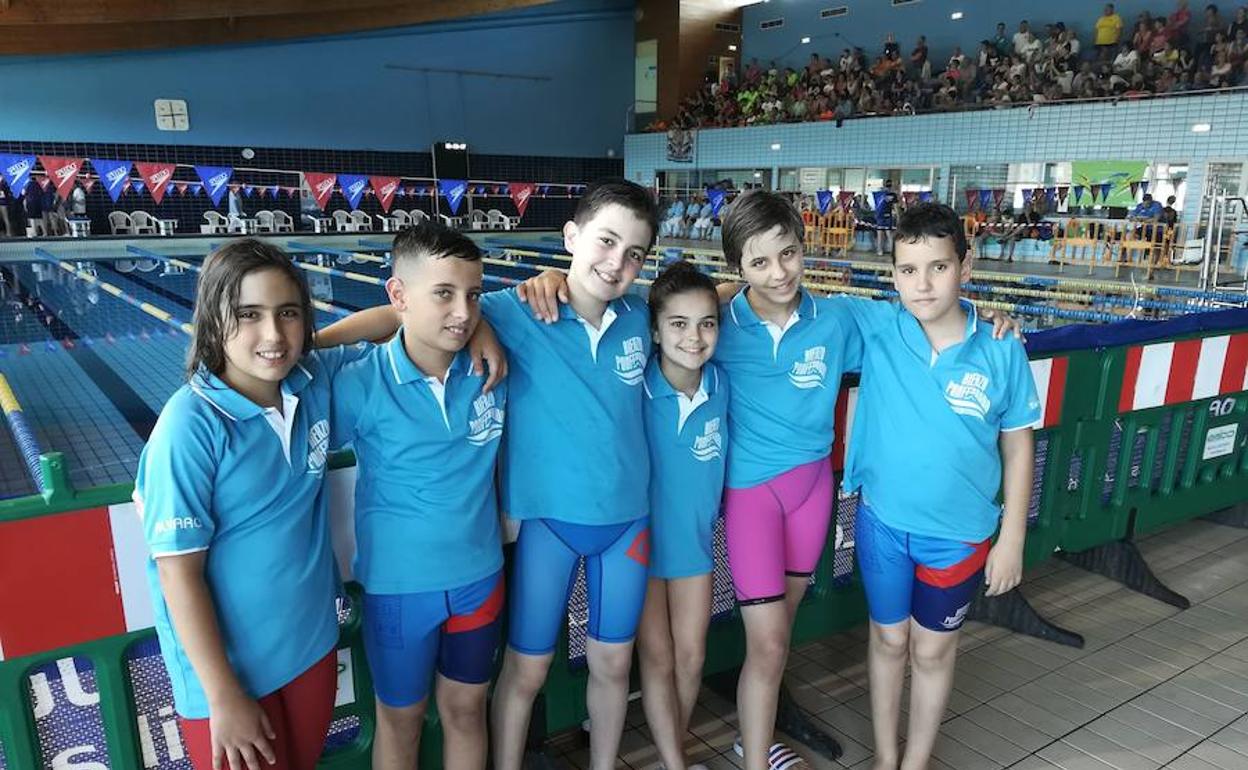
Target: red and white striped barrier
{"points": [[1050, 377], [1167, 373]]}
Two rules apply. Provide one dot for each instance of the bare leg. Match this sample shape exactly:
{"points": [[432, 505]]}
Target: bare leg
{"points": [[932, 655], [658, 668], [518, 684], [887, 655], [606, 697], [461, 707], [397, 742]]}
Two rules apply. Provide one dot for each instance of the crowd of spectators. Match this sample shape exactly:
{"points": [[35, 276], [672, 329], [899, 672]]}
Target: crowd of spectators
{"points": [[1162, 54]]}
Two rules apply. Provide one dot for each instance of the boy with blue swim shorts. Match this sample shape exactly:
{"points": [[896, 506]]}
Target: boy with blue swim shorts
{"points": [[429, 553], [943, 422]]}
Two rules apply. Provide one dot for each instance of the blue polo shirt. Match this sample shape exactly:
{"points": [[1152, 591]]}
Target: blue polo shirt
{"points": [[575, 445], [224, 475], [426, 518], [924, 446], [687, 458], [784, 383]]}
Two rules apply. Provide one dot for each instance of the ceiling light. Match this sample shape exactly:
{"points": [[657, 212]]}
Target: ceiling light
{"points": [[775, 146], [956, 15], [1201, 128]]}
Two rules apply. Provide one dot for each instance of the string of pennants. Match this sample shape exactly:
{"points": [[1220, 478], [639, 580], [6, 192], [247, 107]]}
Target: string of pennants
{"points": [[845, 198], [985, 199], [19, 171]]}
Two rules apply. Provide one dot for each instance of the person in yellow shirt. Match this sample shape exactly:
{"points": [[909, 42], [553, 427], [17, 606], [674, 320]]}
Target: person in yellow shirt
{"points": [[1108, 31]]}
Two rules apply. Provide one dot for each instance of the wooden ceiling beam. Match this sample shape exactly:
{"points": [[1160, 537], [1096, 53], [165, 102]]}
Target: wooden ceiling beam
{"points": [[346, 16]]}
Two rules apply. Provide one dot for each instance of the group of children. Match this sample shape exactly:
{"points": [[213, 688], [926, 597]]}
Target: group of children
{"points": [[697, 220], [606, 453]]}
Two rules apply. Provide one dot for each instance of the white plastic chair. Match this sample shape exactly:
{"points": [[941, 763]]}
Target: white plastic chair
{"points": [[216, 223], [120, 223], [418, 216], [477, 219], [451, 222], [498, 220], [143, 223], [282, 222], [401, 219], [342, 221], [361, 222], [264, 222]]}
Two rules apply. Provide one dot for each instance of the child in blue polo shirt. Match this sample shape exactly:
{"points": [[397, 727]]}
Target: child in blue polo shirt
{"points": [[686, 411], [944, 417], [575, 469], [229, 489], [429, 554]]}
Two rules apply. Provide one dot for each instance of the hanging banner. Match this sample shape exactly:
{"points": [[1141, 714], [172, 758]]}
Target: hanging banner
{"points": [[16, 171], [716, 197], [823, 197], [385, 188], [321, 185], [353, 186], [453, 190], [63, 172], [1062, 190], [157, 176], [972, 196], [114, 174], [985, 199], [998, 195], [1143, 187], [521, 193], [1027, 193], [1078, 193], [1135, 189], [845, 198], [215, 179]]}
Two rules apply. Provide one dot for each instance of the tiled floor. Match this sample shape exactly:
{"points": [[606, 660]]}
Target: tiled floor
{"points": [[1153, 687]]}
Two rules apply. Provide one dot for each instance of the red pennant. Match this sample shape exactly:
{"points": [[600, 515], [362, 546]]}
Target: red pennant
{"points": [[88, 183], [845, 198], [972, 197], [62, 171], [322, 186], [998, 195], [157, 176], [180, 187], [521, 192], [909, 197], [385, 187]]}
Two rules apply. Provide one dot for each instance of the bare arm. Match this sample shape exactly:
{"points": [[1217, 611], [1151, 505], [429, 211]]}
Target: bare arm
{"points": [[1004, 570], [376, 324], [240, 731]]}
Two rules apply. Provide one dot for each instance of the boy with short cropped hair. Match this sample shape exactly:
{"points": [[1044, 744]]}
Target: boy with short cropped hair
{"points": [[429, 554], [943, 422]]}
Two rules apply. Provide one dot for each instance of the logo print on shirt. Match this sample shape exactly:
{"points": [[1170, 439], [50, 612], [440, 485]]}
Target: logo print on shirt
{"points": [[707, 446], [969, 397], [165, 526], [486, 424], [953, 621], [631, 367], [811, 370], [318, 446]]}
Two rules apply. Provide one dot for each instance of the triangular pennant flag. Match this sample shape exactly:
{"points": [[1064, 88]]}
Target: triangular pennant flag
{"points": [[385, 187], [321, 185], [845, 198], [1062, 190], [926, 196], [972, 197], [877, 197], [16, 171], [822, 197], [353, 186], [1078, 189], [1050, 195], [215, 179], [137, 185], [453, 190], [1106, 188], [196, 188], [274, 190], [1135, 189], [1143, 187], [42, 181], [157, 176], [88, 183], [998, 195], [985, 199], [62, 171], [114, 174], [248, 190], [180, 187], [1027, 193], [400, 191], [520, 193]]}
